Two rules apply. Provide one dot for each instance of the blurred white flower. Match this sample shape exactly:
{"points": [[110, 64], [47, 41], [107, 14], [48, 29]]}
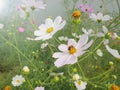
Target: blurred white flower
{"points": [[89, 32], [76, 77], [1, 26], [80, 85], [26, 69], [99, 17], [56, 74], [114, 52], [107, 35], [17, 80], [43, 45], [62, 38], [33, 4], [71, 51], [99, 52], [47, 30], [39, 88], [75, 35]]}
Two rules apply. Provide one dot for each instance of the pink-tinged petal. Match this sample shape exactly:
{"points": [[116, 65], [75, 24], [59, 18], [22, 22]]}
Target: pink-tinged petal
{"points": [[93, 16], [114, 52], [105, 30], [21, 29], [63, 47], [61, 25], [99, 15], [72, 42], [49, 22], [61, 61], [79, 53], [71, 59], [57, 20], [83, 40], [57, 55], [87, 45]]}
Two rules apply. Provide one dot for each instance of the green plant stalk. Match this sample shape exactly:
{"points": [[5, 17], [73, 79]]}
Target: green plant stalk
{"points": [[29, 83]]}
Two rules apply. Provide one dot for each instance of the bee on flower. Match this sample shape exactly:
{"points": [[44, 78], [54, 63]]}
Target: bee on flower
{"points": [[69, 53]]}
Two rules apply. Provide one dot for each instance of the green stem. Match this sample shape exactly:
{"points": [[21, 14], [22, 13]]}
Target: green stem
{"points": [[29, 83], [83, 75]]}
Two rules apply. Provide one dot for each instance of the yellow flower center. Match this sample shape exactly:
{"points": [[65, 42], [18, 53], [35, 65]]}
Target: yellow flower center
{"points": [[72, 49], [18, 81], [76, 14], [79, 82], [49, 30]]}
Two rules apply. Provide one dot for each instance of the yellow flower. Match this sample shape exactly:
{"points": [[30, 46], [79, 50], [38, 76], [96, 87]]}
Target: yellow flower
{"points": [[76, 14]]}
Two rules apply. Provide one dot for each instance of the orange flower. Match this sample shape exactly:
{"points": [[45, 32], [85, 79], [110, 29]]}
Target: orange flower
{"points": [[115, 87], [76, 14], [7, 87]]}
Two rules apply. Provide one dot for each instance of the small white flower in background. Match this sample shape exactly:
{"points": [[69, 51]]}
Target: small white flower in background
{"points": [[1, 26], [72, 51], [99, 52], [106, 34], [33, 4], [26, 69], [43, 45], [47, 30], [113, 52], [39, 88], [89, 32], [75, 35], [56, 74], [62, 38], [99, 17], [80, 85], [17, 80], [76, 77]]}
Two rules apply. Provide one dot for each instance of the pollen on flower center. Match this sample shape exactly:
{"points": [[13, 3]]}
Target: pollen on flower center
{"points": [[18, 81], [76, 14], [49, 30], [72, 49], [79, 82]]}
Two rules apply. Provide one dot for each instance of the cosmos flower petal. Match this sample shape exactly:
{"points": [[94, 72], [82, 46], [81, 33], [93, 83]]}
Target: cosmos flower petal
{"points": [[87, 45], [57, 20], [71, 60], [100, 34], [63, 47], [107, 17], [58, 55], [61, 61], [114, 52], [83, 40], [61, 25], [42, 27], [71, 42], [105, 30], [38, 33], [49, 22]]}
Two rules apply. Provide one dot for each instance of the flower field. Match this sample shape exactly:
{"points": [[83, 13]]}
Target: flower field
{"points": [[77, 50]]}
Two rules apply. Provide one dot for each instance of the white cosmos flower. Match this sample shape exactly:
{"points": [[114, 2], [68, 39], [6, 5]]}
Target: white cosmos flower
{"points": [[89, 32], [99, 17], [62, 38], [39, 88], [47, 30], [33, 4], [107, 34], [114, 52], [17, 80], [70, 52], [80, 85]]}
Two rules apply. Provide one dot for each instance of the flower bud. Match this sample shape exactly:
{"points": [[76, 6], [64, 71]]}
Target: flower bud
{"points": [[26, 70]]}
